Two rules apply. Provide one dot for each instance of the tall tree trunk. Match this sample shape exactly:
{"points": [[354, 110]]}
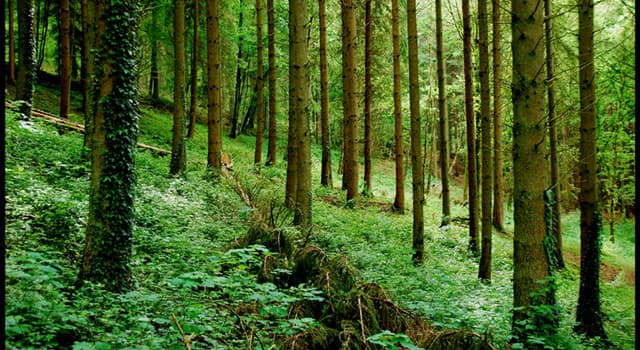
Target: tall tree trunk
{"points": [[298, 106], [88, 63], [179, 149], [65, 58], [367, 98], [444, 119], [193, 106], [259, 84], [472, 167], [109, 236], [214, 73], [26, 80], [239, 74], [498, 185], [271, 150], [484, 272], [350, 96], [154, 84], [553, 137], [41, 38], [416, 143], [12, 46], [588, 315], [530, 265], [398, 203], [326, 178]]}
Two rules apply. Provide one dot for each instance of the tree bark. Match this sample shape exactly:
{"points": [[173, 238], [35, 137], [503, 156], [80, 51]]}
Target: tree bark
{"points": [[259, 84], [484, 272], [193, 105], [589, 314], [553, 137], [239, 74], [109, 237], [326, 178], [12, 47], [398, 203], [154, 84], [530, 265], [472, 167], [416, 143], [498, 183], [367, 98], [443, 118], [178, 149], [65, 58], [26, 80], [350, 96], [214, 72]]}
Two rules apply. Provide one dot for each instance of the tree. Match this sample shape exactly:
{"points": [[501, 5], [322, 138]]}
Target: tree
{"points": [[259, 84], [298, 107], [154, 83], [350, 97], [178, 148], [472, 167], [484, 272], [214, 72], [367, 98], [109, 236], [326, 178], [443, 118], [498, 183], [588, 315], [531, 270], [398, 203], [26, 79], [271, 150], [239, 74], [553, 137], [193, 106], [416, 143], [65, 58], [12, 55], [88, 9]]}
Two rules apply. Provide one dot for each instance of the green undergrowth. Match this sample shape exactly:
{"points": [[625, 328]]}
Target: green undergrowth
{"points": [[183, 264]]}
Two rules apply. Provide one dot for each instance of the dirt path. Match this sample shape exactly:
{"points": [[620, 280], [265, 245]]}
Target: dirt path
{"points": [[607, 272]]}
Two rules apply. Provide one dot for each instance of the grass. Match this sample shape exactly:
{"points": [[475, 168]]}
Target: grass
{"points": [[182, 267]]}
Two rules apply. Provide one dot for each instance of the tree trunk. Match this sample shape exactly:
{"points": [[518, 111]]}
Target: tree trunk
{"points": [[109, 236], [239, 75], [588, 315], [416, 143], [65, 58], [326, 178], [193, 107], [26, 80], [41, 38], [398, 203], [214, 72], [472, 167], [367, 98], [444, 121], [271, 150], [498, 185], [484, 272], [259, 84], [154, 84], [178, 149], [530, 265], [350, 97], [553, 138], [12, 47]]}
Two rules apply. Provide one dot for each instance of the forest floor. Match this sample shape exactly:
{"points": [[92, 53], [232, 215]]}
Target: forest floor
{"points": [[183, 264]]}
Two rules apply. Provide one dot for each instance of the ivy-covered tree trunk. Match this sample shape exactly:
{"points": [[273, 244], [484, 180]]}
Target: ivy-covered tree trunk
{"points": [[484, 271], [11, 78], [65, 58], [193, 103], [178, 149], [472, 166], [26, 80], [416, 139], [588, 315], [531, 270], [398, 203], [259, 84], [553, 137], [214, 72], [443, 118], [109, 236], [498, 181], [367, 98], [326, 178], [350, 96]]}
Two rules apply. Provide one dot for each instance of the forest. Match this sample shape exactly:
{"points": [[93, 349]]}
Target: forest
{"points": [[331, 174]]}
